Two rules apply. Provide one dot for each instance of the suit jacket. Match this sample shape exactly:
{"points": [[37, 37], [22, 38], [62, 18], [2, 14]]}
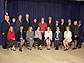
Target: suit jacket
{"points": [[62, 28], [80, 30], [51, 25], [75, 30], [29, 35], [18, 24], [26, 24], [4, 27], [70, 26], [34, 25], [59, 35], [55, 27], [18, 34]]}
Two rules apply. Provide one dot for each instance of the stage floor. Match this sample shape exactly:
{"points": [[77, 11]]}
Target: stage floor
{"points": [[44, 56]]}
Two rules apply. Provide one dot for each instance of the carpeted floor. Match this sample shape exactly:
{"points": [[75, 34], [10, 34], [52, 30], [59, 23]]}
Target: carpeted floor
{"points": [[44, 56]]}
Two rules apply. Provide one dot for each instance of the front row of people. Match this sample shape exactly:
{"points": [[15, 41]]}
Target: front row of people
{"points": [[12, 38]]}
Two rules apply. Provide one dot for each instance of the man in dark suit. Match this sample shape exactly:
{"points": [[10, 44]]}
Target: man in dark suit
{"points": [[56, 25], [26, 23], [18, 22], [5, 26], [69, 24], [50, 23], [62, 27], [79, 42]]}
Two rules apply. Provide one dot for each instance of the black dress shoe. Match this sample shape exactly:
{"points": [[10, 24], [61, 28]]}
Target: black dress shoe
{"points": [[74, 48], [48, 48], [20, 50], [56, 48], [79, 47], [65, 49]]}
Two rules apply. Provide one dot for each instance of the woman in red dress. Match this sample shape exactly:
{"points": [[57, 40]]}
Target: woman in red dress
{"points": [[11, 42]]}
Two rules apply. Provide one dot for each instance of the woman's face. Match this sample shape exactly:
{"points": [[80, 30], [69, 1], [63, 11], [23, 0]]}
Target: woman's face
{"points": [[11, 28], [38, 28], [30, 28], [57, 28], [35, 20], [75, 23], [67, 28], [13, 19], [48, 28], [21, 28]]}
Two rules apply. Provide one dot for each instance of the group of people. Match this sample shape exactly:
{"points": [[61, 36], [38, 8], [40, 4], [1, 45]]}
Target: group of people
{"points": [[42, 33]]}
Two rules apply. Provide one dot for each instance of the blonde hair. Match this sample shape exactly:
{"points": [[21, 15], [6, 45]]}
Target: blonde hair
{"points": [[10, 28]]}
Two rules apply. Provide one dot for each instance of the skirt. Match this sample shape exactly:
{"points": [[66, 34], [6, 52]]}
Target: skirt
{"points": [[11, 42]]}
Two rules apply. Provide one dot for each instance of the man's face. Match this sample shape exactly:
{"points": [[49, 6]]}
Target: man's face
{"points": [[20, 17], [57, 22], [69, 21], [27, 16], [50, 18], [62, 20], [7, 18]]}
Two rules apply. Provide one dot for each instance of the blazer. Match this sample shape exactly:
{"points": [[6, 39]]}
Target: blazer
{"points": [[80, 30], [75, 30], [18, 24], [29, 35], [59, 35], [11, 35], [18, 35], [34, 25], [68, 36], [38, 34], [4, 27], [51, 25], [70, 26], [26, 24], [62, 28], [48, 35]]}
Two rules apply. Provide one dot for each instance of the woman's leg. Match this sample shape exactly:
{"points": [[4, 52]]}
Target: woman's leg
{"points": [[75, 43], [67, 45], [64, 42]]}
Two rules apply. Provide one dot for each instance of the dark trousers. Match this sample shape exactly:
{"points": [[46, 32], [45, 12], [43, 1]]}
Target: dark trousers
{"points": [[4, 39], [39, 42], [57, 43], [79, 42]]}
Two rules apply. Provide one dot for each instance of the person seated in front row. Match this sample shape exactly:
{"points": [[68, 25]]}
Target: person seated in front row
{"points": [[48, 37], [30, 37], [57, 38], [11, 42], [38, 38], [67, 38], [21, 37]]}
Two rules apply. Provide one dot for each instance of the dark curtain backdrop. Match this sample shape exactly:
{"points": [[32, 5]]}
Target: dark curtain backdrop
{"points": [[1, 16], [44, 8]]}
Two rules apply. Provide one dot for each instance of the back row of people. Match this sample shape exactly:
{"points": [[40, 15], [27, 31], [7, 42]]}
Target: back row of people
{"points": [[76, 34]]}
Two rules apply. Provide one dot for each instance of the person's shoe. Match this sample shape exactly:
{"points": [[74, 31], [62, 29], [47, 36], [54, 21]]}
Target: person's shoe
{"points": [[74, 48], [65, 49], [20, 50], [48, 48], [79, 47], [56, 48]]}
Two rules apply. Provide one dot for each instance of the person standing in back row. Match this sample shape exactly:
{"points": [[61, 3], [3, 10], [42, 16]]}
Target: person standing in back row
{"points": [[5, 27], [18, 23]]}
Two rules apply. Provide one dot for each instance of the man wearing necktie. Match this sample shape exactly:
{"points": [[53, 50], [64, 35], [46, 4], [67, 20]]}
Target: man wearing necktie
{"points": [[4, 29]]}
